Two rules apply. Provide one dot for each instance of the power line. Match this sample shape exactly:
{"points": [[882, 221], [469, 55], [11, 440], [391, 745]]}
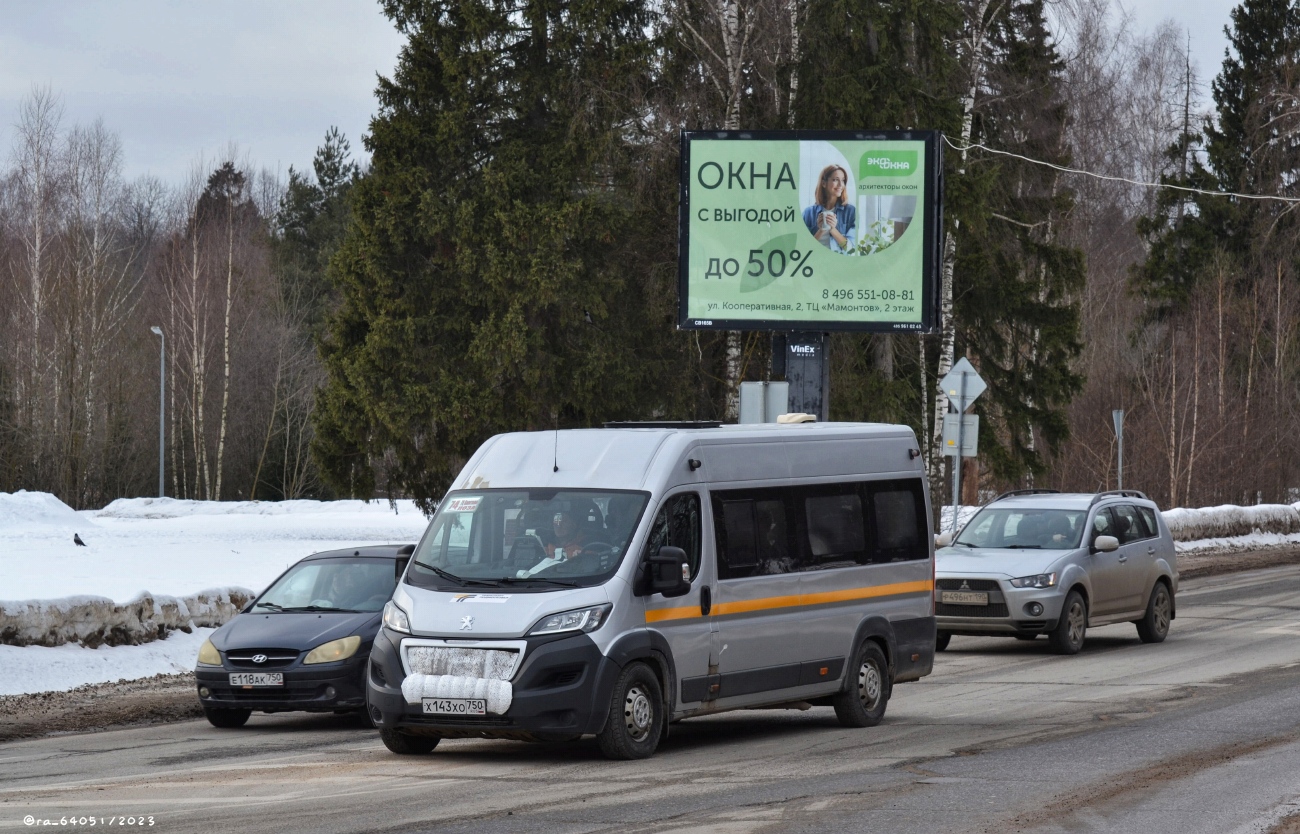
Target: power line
{"points": [[1095, 175]]}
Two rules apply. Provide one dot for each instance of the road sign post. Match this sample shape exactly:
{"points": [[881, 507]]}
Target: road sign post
{"points": [[963, 385], [1118, 416]]}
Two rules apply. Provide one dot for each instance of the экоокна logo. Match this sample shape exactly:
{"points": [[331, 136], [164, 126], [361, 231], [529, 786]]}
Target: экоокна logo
{"points": [[888, 163]]}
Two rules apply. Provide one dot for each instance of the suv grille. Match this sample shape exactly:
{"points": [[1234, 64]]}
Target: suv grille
{"points": [[997, 606]]}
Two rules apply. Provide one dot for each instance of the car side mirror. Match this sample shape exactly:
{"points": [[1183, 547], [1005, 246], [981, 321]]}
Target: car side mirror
{"points": [[669, 572], [1105, 544], [943, 539]]}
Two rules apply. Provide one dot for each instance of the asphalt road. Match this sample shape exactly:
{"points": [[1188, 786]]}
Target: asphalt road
{"points": [[1198, 734]]}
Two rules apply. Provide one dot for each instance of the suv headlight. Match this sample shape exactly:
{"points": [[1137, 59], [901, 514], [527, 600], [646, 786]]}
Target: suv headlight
{"points": [[395, 618], [583, 619], [208, 654], [334, 650], [1042, 580]]}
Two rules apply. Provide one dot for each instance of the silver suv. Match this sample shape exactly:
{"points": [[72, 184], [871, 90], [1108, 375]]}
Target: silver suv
{"points": [[1042, 562]]}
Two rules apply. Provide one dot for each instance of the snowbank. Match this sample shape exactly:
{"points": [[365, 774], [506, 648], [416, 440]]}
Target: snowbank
{"points": [[40, 669], [98, 621], [1230, 521], [38, 512]]}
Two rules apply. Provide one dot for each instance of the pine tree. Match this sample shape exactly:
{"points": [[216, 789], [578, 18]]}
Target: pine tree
{"points": [[1017, 302], [480, 284]]}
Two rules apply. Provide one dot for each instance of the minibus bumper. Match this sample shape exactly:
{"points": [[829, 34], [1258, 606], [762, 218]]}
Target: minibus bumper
{"points": [[562, 691]]}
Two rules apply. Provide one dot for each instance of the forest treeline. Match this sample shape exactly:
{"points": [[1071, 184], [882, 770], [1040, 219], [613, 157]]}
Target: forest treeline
{"points": [[507, 257]]}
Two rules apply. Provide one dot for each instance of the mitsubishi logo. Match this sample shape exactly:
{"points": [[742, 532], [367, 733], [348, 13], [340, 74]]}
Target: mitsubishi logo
{"points": [[964, 586], [466, 623], [259, 658]]}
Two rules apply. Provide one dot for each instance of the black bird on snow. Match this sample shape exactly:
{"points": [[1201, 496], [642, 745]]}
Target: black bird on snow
{"points": [[76, 539]]}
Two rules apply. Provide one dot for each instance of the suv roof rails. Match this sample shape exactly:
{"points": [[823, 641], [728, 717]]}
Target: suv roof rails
{"points": [[1119, 493], [664, 424], [1016, 492]]}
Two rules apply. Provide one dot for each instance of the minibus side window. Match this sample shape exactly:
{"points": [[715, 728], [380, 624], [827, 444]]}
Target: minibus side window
{"points": [[753, 533], [899, 521], [836, 528], [737, 555], [678, 525]]}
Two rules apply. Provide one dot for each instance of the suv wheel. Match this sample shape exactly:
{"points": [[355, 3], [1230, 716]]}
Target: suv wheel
{"points": [[1067, 637], [1154, 626], [227, 719]]}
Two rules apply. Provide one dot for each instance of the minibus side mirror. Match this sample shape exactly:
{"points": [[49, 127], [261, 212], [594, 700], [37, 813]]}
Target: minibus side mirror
{"points": [[1105, 544], [669, 572]]}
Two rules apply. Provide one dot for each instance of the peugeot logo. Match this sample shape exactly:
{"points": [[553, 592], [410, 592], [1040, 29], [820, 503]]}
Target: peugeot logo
{"points": [[259, 658], [466, 623]]}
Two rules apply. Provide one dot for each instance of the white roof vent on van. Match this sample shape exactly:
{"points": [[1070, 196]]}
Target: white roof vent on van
{"points": [[796, 417]]}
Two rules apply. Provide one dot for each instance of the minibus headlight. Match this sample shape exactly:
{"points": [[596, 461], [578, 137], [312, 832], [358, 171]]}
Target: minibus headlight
{"points": [[334, 650], [208, 654], [1042, 580], [584, 619], [395, 618]]}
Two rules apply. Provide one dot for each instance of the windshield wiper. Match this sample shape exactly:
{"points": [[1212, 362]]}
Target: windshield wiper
{"points": [[313, 608], [271, 605], [459, 580], [964, 544], [511, 580], [1024, 547]]}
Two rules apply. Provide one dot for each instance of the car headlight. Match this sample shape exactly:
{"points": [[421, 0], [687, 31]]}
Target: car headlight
{"points": [[1042, 580], [583, 619], [208, 654], [334, 650], [395, 618]]}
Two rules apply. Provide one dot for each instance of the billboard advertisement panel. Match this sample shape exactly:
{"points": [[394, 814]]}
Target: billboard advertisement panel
{"points": [[810, 230]]}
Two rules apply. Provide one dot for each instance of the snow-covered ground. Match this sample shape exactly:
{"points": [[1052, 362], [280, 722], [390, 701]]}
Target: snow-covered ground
{"points": [[41, 669], [174, 547]]}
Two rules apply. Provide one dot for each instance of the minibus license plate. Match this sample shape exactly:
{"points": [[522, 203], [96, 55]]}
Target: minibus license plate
{"points": [[257, 679], [455, 706], [966, 597]]}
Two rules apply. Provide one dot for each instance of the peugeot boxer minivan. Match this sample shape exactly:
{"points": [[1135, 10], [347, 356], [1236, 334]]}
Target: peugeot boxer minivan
{"points": [[610, 582]]}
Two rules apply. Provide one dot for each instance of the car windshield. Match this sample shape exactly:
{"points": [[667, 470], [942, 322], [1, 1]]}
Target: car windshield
{"points": [[331, 585], [534, 539], [1024, 528]]}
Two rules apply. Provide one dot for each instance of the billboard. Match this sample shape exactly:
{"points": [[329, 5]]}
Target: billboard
{"points": [[810, 230]]}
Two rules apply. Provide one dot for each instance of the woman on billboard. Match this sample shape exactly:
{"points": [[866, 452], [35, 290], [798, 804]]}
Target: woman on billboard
{"points": [[832, 219]]}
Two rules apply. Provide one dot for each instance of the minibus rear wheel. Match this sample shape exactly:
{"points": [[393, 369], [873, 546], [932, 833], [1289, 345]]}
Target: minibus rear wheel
{"points": [[636, 715], [866, 695]]}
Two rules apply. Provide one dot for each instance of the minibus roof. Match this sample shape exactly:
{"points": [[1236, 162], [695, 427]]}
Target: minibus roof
{"points": [[640, 458]]}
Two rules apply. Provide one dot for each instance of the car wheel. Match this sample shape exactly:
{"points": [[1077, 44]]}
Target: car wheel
{"points": [[636, 715], [405, 744], [863, 703], [1067, 637], [941, 641], [1154, 626], [227, 719]]}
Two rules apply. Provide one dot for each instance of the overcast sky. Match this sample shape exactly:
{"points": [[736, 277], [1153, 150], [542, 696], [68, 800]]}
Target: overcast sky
{"points": [[179, 81]]}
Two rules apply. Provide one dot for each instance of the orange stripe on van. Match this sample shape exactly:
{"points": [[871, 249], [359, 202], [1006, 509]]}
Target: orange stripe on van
{"points": [[655, 615]]}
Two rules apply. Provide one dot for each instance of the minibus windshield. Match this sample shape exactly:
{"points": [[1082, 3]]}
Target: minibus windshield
{"points": [[526, 539], [1031, 529]]}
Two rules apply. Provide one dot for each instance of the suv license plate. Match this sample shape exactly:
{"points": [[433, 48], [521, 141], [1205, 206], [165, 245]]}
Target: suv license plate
{"points": [[966, 597], [455, 706], [257, 679]]}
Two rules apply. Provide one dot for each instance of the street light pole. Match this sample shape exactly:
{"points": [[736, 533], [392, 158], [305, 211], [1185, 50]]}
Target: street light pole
{"points": [[162, 389]]}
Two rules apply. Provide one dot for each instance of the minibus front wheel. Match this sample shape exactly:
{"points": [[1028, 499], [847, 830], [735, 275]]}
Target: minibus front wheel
{"points": [[866, 694], [636, 715]]}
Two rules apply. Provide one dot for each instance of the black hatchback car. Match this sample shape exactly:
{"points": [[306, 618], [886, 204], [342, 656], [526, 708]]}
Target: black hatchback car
{"points": [[303, 644]]}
